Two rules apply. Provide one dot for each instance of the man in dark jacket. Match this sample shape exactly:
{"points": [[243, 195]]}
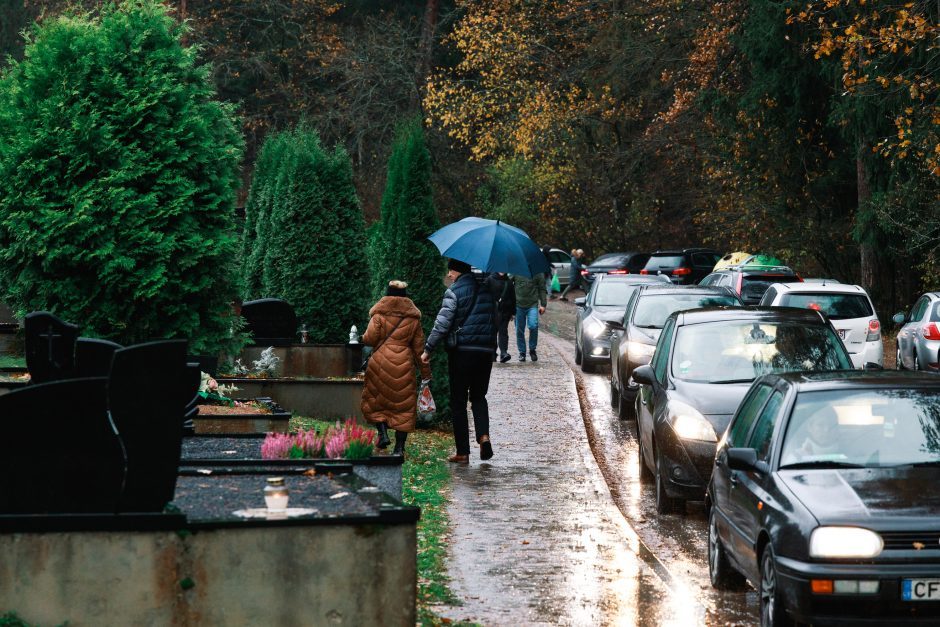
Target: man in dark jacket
{"points": [[504, 293], [466, 324]]}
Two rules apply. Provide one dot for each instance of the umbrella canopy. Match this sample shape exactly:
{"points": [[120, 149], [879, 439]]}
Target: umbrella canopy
{"points": [[491, 246]]}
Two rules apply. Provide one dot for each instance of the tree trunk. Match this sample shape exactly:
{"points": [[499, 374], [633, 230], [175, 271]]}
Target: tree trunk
{"points": [[431, 11], [866, 241]]}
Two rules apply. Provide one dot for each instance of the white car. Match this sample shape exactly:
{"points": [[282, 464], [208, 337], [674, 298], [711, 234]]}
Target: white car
{"points": [[561, 262], [848, 307]]}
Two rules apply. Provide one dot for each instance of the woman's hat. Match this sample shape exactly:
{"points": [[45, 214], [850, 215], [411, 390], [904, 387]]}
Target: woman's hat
{"points": [[460, 266], [396, 288]]}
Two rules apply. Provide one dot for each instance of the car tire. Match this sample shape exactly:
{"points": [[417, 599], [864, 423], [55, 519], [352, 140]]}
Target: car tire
{"points": [[626, 410], [577, 354], [720, 571], [614, 396], [665, 504], [914, 359], [897, 360], [772, 612], [586, 366], [646, 475]]}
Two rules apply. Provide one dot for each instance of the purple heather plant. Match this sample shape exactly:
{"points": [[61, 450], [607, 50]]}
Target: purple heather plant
{"points": [[276, 446], [348, 440]]}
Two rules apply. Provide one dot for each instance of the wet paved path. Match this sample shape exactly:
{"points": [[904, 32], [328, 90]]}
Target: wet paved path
{"points": [[537, 538]]}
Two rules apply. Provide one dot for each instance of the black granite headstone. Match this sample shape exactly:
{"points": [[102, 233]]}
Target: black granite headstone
{"points": [[271, 321], [148, 391], [50, 347], [59, 452], [93, 356], [206, 363]]}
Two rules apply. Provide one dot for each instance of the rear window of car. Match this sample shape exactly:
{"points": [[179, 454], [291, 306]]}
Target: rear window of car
{"points": [[753, 286], [653, 309], [836, 306], [610, 259], [658, 262]]}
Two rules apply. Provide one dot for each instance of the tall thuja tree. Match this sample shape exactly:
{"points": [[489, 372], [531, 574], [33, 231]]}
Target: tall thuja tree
{"points": [[261, 197], [315, 239], [118, 172], [408, 217]]}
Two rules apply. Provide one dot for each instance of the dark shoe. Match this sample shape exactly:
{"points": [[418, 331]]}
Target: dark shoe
{"points": [[534, 356], [521, 357], [383, 436], [400, 437], [564, 298], [505, 358], [486, 448], [459, 459]]}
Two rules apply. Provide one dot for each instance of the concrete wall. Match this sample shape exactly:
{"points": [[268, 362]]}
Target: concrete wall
{"points": [[320, 398], [309, 360], [275, 575]]}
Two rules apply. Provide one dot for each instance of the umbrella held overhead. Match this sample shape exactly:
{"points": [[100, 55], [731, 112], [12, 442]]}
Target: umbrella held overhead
{"points": [[491, 246]]}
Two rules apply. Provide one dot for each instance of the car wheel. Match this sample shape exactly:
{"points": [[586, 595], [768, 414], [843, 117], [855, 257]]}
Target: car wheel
{"points": [[914, 358], [897, 360], [722, 574], [587, 366], [577, 354], [646, 475], [614, 395], [772, 613], [665, 504], [626, 409]]}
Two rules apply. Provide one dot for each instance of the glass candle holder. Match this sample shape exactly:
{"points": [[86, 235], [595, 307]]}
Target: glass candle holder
{"points": [[276, 495]]}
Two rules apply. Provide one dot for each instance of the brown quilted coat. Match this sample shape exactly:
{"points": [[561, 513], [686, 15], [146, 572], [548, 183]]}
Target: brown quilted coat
{"points": [[390, 393]]}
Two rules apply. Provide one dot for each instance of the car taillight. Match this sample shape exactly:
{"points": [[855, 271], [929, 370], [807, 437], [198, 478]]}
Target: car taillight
{"points": [[740, 285], [619, 272], [644, 271], [585, 273], [930, 331], [681, 271], [799, 278], [874, 331]]}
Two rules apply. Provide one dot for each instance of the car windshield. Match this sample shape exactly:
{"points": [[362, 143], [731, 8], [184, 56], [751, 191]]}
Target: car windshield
{"points": [[836, 306], [871, 428], [653, 309], [613, 294], [754, 286], [736, 351], [657, 262]]}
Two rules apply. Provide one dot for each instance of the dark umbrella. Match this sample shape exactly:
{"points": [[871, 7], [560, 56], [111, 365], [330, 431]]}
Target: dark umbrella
{"points": [[491, 246]]}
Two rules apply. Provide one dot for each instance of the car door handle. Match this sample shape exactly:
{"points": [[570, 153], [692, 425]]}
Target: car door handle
{"points": [[734, 480]]}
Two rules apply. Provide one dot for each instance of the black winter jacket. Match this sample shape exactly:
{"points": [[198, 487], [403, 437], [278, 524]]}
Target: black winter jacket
{"points": [[478, 329], [504, 294]]}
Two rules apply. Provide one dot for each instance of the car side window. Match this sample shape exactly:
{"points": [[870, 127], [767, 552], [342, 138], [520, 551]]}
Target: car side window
{"points": [[935, 312], [725, 280], [737, 432], [558, 256], [917, 314], [769, 296], [629, 310], [764, 429], [661, 355]]}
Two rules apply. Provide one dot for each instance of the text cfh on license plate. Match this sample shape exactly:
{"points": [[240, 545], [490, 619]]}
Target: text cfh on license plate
{"points": [[920, 589]]}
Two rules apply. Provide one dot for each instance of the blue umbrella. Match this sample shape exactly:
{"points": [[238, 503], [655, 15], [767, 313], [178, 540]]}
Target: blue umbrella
{"points": [[491, 246]]}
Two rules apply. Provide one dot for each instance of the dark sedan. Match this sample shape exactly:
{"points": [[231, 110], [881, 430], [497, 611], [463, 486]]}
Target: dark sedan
{"points": [[824, 496], [615, 263], [634, 338], [604, 303], [704, 363]]}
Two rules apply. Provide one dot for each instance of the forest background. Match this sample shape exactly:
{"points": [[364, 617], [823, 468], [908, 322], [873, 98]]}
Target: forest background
{"points": [[810, 130]]}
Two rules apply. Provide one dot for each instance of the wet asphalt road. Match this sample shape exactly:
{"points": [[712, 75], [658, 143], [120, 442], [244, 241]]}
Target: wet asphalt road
{"points": [[556, 529]]}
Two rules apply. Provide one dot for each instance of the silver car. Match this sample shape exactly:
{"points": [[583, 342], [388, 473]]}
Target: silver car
{"points": [[561, 263], [919, 339]]}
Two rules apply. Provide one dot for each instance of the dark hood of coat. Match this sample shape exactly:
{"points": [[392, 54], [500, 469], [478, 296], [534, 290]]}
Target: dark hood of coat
{"points": [[397, 306]]}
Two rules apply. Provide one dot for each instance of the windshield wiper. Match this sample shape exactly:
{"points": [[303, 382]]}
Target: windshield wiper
{"points": [[733, 381], [648, 326], [821, 463], [927, 464]]}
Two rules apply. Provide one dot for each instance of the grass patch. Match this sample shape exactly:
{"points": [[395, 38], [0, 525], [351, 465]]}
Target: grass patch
{"points": [[9, 361]]}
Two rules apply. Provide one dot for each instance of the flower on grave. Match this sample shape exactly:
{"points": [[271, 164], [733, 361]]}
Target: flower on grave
{"points": [[267, 364], [276, 446], [209, 390], [239, 367], [348, 440]]}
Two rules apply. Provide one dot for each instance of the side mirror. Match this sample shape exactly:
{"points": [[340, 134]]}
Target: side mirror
{"points": [[744, 459], [899, 318], [644, 374], [579, 302], [616, 325]]}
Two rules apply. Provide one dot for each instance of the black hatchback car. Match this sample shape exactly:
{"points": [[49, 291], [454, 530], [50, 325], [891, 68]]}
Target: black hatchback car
{"points": [[703, 365], [824, 496], [615, 264], [684, 266]]}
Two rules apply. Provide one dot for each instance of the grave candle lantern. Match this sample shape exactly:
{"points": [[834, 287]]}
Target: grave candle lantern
{"points": [[276, 494]]}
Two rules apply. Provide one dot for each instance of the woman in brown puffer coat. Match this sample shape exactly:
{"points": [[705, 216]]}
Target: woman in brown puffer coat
{"points": [[390, 395]]}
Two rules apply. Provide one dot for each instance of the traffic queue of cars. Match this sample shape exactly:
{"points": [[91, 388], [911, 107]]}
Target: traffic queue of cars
{"points": [[818, 470]]}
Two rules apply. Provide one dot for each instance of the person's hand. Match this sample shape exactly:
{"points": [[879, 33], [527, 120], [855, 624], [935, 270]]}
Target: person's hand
{"points": [[541, 309], [425, 358]]}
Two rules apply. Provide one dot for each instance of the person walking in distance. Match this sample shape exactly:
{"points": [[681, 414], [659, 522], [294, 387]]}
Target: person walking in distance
{"points": [[466, 324], [547, 251], [575, 281], [531, 299], [504, 293], [389, 393]]}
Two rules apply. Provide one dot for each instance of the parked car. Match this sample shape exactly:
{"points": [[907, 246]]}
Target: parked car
{"points": [[824, 496], [849, 309], [605, 302], [731, 259], [634, 338], [919, 338], [685, 266], [704, 363], [750, 282], [561, 262], [615, 263]]}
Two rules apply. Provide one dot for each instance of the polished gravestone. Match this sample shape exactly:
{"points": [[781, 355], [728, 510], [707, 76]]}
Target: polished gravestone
{"points": [[50, 347], [93, 356], [271, 321]]}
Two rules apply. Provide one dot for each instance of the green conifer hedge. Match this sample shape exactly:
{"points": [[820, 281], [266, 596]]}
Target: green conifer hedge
{"points": [[118, 173]]}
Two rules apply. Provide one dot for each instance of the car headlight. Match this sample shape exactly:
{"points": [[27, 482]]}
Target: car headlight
{"points": [[689, 423], [844, 542], [639, 352], [594, 327]]}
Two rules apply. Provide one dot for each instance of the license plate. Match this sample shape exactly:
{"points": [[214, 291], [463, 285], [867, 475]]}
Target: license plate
{"points": [[843, 333], [920, 589]]}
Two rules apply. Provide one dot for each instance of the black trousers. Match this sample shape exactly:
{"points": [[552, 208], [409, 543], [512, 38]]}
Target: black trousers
{"points": [[469, 373], [502, 332]]}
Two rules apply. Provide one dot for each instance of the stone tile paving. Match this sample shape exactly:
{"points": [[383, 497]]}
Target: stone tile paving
{"points": [[536, 538]]}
